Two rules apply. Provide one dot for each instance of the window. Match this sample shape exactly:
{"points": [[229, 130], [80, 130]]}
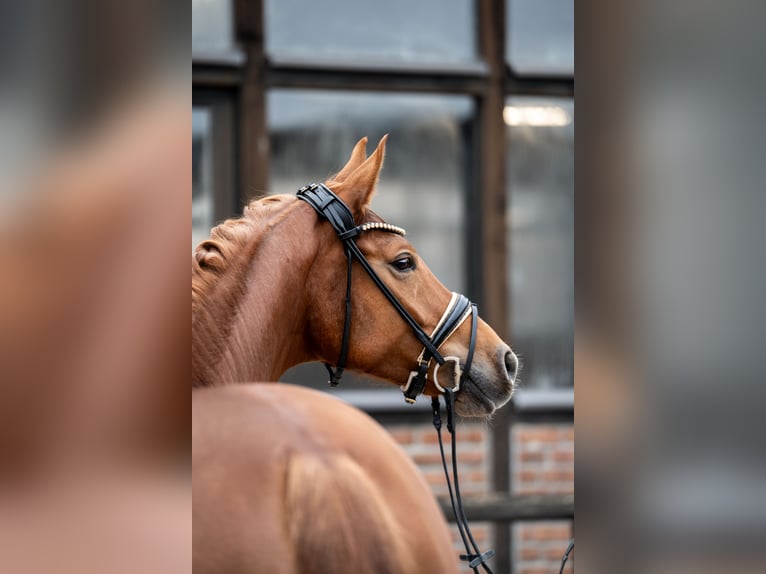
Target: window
{"points": [[213, 194], [423, 183], [540, 213], [212, 27], [202, 185], [540, 36], [426, 31]]}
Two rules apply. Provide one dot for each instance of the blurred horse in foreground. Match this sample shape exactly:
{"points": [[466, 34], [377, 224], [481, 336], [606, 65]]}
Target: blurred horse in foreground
{"points": [[94, 349]]}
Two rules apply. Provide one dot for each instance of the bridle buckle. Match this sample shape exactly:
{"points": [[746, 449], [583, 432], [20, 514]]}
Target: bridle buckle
{"points": [[421, 373], [458, 374]]}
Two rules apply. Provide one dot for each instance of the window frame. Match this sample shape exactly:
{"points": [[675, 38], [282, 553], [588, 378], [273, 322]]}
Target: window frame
{"points": [[223, 180], [238, 81]]}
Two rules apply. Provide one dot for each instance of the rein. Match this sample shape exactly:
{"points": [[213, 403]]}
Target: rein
{"points": [[330, 207]]}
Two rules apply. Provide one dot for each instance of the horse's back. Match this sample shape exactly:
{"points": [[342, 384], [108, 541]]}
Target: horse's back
{"points": [[291, 480]]}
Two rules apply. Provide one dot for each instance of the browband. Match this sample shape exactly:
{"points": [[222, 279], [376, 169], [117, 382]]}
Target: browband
{"points": [[333, 209]]}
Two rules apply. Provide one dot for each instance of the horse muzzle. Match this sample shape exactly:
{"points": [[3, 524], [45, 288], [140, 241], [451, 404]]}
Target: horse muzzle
{"points": [[489, 385]]}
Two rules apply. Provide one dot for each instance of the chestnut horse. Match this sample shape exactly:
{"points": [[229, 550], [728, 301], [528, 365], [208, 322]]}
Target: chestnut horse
{"points": [[290, 480]]}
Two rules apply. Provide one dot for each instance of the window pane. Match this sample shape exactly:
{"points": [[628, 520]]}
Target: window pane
{"points": [[540, 167], [422, 186], [395, 30], [212, 29], [540, 36], [202, 192]]}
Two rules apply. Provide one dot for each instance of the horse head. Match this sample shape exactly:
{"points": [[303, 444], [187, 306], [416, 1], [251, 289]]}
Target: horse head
{"points": [[269, 292], [381, 343]]}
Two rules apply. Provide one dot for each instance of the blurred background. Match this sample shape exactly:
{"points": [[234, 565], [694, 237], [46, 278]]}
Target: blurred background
{"points": [[670, 264], [477, 97]]}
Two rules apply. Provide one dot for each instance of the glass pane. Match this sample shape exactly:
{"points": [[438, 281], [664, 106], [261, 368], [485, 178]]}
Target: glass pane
{"points": [[398, 30], [202, 189], [540, 166], [422, 186], [212, 29], [540, 36]]}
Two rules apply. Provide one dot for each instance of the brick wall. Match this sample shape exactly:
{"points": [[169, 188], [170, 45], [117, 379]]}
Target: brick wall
{"points": [[543, 459], [542, 463], [473, 455], [539, 546]]}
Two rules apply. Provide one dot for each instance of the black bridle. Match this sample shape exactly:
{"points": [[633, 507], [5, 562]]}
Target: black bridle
{"points": [[330, 207]]}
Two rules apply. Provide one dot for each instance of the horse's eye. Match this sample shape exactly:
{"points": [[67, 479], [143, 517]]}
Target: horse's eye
{"points": [[404, 263]]}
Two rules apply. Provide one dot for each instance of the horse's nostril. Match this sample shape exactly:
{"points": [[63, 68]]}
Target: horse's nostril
{"points": [[511, 364]]}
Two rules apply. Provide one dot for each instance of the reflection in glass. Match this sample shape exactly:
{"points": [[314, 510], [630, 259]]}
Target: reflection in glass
{"points": [[395, 30], [422, 186], [540, 167], [212, 28], [540, 36], [202, 191]]}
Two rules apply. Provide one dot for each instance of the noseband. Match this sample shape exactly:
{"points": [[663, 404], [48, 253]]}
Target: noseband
{"points": [[330, 207]]}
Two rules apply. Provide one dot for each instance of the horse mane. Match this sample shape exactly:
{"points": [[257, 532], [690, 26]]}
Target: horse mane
{"points": [[214, 256], [219, 268]]}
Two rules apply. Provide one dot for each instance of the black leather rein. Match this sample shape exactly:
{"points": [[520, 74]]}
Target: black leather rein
{"points": [[330, 207]]}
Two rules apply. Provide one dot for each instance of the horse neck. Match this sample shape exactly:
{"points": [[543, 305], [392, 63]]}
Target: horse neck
{"points": [[268, 337], [265, 336]]}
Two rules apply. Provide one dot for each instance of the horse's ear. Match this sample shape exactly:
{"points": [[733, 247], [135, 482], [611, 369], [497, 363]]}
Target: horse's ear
{"points": [[358, 156], [359, 187]]}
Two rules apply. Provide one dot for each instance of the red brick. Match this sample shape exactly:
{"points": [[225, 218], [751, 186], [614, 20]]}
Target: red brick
{"points": [[480, 532], [470, 457], [529, 554], [538, 434], [434, 479], [475, 476], [543, 449], [528, 476], [548, 532], [472, 435], [563, 456], [531, 456], [559, 475], [526, 533], [426, 458], [402, 436], [429, 438], [557, 553]]}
